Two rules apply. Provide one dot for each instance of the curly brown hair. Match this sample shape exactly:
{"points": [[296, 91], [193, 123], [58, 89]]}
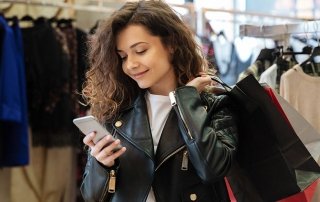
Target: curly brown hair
{"points": [[107, 88]]}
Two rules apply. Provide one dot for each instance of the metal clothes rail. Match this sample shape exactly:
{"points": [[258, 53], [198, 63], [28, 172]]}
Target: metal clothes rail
{"points": [[73, 6], [269, 31]]}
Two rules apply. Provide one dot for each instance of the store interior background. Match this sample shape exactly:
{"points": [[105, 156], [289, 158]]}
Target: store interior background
{"points": [[53, 173]]}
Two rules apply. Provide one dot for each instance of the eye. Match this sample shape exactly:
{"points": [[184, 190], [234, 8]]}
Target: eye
{"points": [[123, 58], [141, 51]]}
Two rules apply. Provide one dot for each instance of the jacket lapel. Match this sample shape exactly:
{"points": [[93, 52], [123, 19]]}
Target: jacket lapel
{"points": [[170, 140], [135, 126]]}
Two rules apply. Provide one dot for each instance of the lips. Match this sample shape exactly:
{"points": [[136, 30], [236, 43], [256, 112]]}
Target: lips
{"points": [[139, 75]]}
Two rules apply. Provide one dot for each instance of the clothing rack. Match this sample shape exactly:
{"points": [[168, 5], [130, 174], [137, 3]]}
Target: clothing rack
{"points": [[237, 12], [100, 7], [202, 18], [271, 31]]}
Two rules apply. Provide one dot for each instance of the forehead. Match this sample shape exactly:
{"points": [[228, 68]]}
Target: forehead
{"points": [[133, 34]]}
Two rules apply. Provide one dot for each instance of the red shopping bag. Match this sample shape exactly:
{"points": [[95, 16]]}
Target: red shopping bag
{"points": [[230, 192]]}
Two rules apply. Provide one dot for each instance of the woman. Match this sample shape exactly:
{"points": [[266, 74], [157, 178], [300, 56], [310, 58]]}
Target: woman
{"points": [[176, 149]]}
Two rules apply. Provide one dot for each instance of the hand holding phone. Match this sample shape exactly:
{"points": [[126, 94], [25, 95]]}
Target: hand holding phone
{"points": [[88, 124]]}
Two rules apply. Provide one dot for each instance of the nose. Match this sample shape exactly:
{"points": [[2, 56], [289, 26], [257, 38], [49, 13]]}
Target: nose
{"points": [[131, 62]]}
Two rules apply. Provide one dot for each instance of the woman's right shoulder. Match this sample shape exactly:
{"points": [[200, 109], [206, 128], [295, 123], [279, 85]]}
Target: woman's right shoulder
{"points": [[221, 99]]}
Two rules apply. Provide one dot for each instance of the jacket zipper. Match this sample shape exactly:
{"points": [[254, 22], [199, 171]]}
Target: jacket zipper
{"points": [[185, 160], [173, 153], [112, 182], [111, 185], [172, 96]]}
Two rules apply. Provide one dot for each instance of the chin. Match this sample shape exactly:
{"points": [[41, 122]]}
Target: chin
{"points": [[143, 85]]}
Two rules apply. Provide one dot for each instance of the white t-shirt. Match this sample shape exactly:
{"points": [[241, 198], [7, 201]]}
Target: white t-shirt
{"points": [[159, 107]]}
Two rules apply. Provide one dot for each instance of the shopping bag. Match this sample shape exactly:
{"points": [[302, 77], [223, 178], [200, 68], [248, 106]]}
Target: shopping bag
{"points": [[316, 195], [309, 136], [307, 195], [272, 163], [230, 193]]}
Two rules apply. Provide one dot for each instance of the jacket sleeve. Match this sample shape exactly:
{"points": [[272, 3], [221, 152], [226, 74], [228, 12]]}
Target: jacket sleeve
{"points": [[209, 129], [95, 182]]}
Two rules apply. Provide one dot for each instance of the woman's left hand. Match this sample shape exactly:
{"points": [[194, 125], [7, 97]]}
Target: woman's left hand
{"points": [[201, 82]]}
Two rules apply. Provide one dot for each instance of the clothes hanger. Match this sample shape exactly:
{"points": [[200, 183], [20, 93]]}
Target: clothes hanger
{"points": [[267, 54], [281, 56], [309, 66], [315, 52], [63, 22], [222, 34], [27, 17], [289, 51], [26, 21]]}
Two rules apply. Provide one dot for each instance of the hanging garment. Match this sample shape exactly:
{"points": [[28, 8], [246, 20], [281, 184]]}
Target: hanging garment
{"points": [[223, 52], [5, 185], [83, 66], [209, 51], [303, 95], [48, 79], [264, 61], [70, 34], [14, 145], [269, 76], [50, 176], [272, 75]]}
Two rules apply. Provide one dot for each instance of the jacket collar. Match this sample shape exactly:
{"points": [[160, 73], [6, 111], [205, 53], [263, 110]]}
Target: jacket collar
{"points": [[135, 126]]}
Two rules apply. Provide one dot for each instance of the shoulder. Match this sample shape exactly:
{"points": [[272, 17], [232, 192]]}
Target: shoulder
{"points": [[211, 99], [220, 103]]}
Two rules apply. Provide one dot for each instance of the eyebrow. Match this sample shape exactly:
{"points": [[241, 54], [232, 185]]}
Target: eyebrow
{"points": [[133, 45]]}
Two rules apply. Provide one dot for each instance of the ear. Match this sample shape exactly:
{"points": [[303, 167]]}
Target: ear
{"points": [[171, 50]]}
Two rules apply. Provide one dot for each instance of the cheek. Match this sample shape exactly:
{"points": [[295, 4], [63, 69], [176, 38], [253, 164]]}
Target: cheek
{"points": [[124, 69]]}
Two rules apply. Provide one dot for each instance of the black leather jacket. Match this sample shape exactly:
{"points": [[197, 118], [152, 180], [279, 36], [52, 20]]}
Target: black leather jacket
{"points": [[193, 155]]}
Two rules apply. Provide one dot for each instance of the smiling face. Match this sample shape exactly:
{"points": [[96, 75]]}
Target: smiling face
{"points": [[146, 60]]}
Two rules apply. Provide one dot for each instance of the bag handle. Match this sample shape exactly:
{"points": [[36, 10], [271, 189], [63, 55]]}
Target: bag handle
{"points": [[222, 83]]}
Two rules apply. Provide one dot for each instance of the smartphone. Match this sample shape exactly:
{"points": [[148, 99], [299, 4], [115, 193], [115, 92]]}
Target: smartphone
{"points": [[88, 124]]}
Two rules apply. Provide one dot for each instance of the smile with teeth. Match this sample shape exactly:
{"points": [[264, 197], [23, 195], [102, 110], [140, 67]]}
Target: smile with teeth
{"points": [[139, 75]]}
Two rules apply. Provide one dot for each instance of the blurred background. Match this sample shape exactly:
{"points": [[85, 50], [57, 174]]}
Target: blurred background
{"points": [[43, 62]]}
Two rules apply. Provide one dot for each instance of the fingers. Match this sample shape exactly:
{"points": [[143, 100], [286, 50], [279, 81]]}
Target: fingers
{"points": [[106, 142], [107, 157], [202, 74], [88, 139], [200, 82], [105, 149], [100, 145]]}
